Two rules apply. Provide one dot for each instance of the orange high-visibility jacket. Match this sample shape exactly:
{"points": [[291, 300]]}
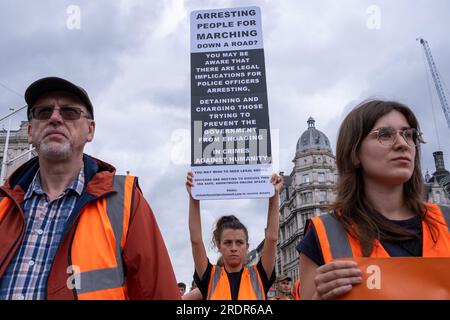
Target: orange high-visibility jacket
{"points": [[295, 290], [112, 249], [96, 269], [336, 243], [250, 287]]}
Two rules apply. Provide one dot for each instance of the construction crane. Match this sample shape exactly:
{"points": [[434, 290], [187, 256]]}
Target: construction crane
{"points": [[444, 181], [436, 79]]}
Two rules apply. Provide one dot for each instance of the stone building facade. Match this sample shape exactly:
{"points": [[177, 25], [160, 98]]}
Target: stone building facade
{"points": [[18, 145], [306, 190], [437, 185]]}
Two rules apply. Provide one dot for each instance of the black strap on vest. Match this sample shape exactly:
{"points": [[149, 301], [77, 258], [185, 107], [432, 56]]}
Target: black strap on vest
{"points": [[337, 237]]}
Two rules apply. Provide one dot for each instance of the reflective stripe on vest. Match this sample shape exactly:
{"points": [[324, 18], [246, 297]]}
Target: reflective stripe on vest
{"points": [[336, 243], [337, 238], [118, 209], [255, 283], [215, 280]]}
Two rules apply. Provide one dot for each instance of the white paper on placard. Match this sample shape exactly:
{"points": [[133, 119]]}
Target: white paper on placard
{"points": [[231, 146]]}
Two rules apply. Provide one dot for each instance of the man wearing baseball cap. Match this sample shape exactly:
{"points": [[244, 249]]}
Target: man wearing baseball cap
{"points": [[71, 228], [283, 286]]}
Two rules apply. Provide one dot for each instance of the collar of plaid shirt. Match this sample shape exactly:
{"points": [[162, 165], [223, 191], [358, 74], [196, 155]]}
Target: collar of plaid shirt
{"points": [[75, 185]]}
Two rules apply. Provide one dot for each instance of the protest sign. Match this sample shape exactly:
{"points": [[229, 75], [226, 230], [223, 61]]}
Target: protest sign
{"points": [[230, 149]]}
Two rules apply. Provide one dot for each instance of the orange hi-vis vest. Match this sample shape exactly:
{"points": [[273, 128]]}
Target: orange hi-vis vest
{"points": [[295, 290], [96, 268], [250, 287], [336, 243], [98, 243]]}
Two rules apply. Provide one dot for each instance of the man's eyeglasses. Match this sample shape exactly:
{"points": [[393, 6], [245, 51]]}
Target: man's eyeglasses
{"points": [[387, 136], [66, 112]]}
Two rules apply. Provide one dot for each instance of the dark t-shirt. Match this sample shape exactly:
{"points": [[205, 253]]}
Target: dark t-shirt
{"points": [[310, 245], [234, 278]]}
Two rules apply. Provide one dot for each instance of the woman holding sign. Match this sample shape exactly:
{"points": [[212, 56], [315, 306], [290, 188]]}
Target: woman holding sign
{"points": [[234, 280], [378, 211]]}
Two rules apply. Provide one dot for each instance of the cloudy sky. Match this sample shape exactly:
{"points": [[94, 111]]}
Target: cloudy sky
{"points": [[133, 57]]}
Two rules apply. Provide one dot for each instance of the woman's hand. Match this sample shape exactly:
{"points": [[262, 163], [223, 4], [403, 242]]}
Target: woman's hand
{"points": [[277, 182], [335, 279], [189, 185], [189, 182]]}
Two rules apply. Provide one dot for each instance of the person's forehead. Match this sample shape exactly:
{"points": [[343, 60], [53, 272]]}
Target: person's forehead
{"points": [[233, 234], [61, 97], [392, 119]]}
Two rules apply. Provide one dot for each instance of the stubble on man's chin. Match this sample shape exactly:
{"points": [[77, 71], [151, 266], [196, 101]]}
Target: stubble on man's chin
{"points": [[57, 153]]}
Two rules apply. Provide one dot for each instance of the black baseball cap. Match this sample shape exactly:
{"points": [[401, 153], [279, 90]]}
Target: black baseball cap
{"points": [[44, 85]]}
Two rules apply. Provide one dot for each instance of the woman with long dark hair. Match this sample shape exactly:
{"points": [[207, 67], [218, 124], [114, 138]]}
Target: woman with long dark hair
{"points": [[379, 210]]}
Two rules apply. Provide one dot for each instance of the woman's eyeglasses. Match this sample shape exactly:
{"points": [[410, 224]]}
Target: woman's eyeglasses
{"points": [[387, 136]]}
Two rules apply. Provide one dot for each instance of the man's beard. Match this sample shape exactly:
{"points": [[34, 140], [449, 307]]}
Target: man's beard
{"points": [[58, 152]]}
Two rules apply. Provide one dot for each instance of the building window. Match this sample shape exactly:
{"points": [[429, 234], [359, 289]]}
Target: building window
{"points": [[321, 177], [306, 197], [437, 197], [305, 178], [323, 196]]}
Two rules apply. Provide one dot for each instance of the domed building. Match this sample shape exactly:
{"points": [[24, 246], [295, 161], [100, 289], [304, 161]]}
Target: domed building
{"points": [[305, 192], [313, 138]]}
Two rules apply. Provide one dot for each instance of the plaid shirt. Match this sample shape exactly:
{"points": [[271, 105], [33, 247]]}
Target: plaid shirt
{"points": [[27, 274]]}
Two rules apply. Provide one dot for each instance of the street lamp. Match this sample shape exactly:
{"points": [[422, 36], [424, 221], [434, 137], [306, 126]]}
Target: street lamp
{"points": [[5, 151]]}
